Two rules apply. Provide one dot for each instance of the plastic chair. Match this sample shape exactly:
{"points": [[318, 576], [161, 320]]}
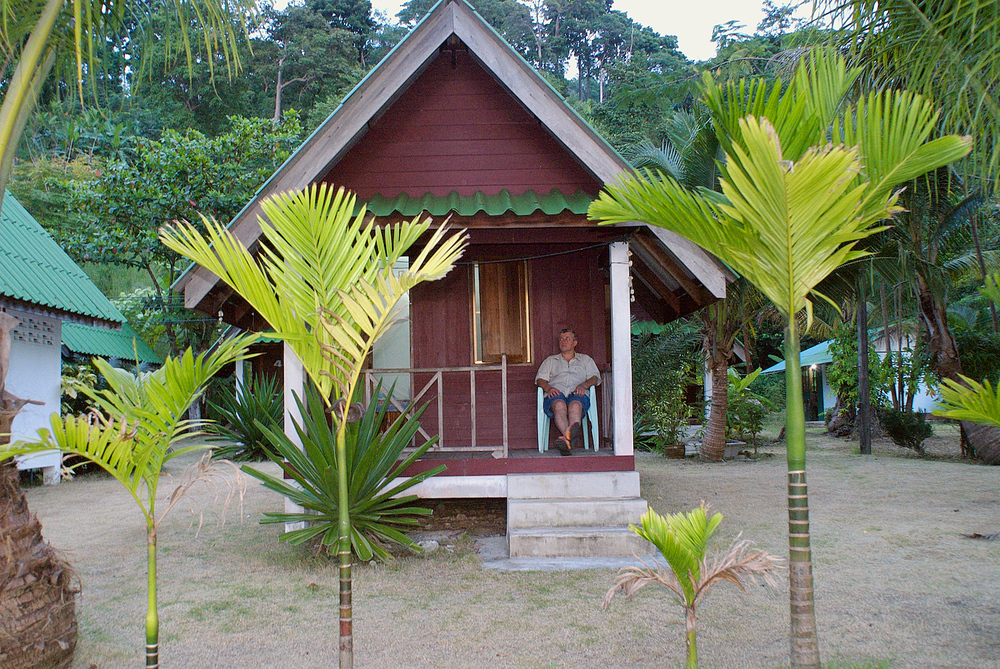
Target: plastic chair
{"points": [[588, 419]]}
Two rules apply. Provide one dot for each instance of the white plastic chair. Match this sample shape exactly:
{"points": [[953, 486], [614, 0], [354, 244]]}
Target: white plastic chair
{"points": [[588, 419]]}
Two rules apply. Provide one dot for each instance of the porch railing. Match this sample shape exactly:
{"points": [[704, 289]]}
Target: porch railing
{"points": [[436, 383]]}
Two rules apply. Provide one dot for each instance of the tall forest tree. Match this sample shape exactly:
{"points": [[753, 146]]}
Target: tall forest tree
{"points": [[178, 177]]}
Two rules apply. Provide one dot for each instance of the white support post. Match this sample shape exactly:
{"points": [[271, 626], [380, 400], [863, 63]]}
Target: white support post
{"points": [[294, 378], [621, 348], [239, 375]]}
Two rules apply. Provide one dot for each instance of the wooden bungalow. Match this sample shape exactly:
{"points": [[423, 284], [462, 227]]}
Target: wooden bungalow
{"points": [[454, 122]]}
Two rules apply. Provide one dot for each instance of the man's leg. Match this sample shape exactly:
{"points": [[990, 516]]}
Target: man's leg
{"points": [[559, 415], [576, 427]]}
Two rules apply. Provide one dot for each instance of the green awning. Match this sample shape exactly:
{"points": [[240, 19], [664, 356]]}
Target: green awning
{"points": [[817, 355], [554, 202], [34, 269], [106, 343]]}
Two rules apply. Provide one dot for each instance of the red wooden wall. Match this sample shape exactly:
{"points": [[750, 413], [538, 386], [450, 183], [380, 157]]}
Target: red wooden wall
{"points": [[565, 291], [456, 128]]}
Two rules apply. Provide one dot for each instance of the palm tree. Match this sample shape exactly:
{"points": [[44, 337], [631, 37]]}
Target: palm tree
{"points": [[688, 156], [139, 424], [792, 208], [324, 282], [37, 36], [946, 51], [44, 635], [682, 539]]}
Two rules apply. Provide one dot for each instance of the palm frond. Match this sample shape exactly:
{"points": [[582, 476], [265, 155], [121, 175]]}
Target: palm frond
{"points": [[974, 401]]}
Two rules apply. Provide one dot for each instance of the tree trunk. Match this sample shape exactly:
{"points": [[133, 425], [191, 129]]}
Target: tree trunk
{"points": [[804, 639], [37, 606], [864, 391], [713, 446], [941, 343], [983, 442]]}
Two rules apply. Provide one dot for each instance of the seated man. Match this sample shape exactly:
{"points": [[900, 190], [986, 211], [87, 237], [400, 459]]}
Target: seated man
{"points": [[566, 378]]}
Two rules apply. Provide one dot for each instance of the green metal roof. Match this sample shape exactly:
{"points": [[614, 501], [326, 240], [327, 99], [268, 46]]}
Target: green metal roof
{"points": [[817, 355], [107, 343], [33, 268], [493, 205]]}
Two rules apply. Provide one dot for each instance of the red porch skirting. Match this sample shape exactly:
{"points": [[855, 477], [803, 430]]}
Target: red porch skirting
{"points": [[489, 466]]}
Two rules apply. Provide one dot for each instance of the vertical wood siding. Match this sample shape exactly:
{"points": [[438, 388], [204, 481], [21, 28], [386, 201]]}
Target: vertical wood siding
{"points": [[565, 291], [457, 129]]}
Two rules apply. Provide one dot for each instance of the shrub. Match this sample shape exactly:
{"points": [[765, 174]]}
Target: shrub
{"points": [[239, 416], [906, 428]]}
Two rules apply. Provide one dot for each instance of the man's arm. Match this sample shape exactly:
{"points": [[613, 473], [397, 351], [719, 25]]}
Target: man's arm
{"points": [[542, 379], [585, 386]]}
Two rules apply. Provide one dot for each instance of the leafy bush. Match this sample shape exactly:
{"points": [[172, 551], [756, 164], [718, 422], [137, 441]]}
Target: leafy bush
{"points": [[842, 373], [77, 382], [669, 412], [906, 428], [378, 510], [644, 433], [240, 417], [664, 359], [746, 409]]}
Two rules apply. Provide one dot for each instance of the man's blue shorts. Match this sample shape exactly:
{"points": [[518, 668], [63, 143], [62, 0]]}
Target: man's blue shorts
{"points": [[582, 399]]}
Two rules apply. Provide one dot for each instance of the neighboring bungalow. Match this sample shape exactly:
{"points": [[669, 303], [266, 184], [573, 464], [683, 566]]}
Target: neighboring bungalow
{"points": [[119, 347], [818, 396], [46, 291], [454, 122]]}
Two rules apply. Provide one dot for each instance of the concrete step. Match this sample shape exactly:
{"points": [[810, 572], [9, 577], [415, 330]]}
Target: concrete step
{"points": [[564, 485], [566, 512], [576, 542]]}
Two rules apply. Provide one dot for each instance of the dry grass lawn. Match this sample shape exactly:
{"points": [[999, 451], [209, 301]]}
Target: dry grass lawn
{"points": [[896, 582]]}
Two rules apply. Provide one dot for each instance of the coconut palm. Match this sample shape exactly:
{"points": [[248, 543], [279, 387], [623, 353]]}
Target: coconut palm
{"points": [[38, 36], [324, 282], [136, 428], [682, 539], [44, 634], [793, 206], [946, 51]]}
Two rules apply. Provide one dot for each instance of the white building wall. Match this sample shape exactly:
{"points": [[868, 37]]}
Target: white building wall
{"points": [[35, 373]]}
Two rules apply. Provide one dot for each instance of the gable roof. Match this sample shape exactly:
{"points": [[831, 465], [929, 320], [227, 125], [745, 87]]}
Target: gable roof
{"points": [[106, 343], [35, 271], [390, 79]]}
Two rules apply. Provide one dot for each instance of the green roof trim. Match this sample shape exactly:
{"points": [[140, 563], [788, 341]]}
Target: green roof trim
{"points": [[34, 269], [493, 205], [107, 343]]}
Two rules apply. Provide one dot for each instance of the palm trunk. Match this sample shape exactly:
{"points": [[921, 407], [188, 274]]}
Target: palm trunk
{"points": [[804, 641], [152, 616], [344, 552], [692, 644], [713, 446], [941, 343], [37, 607]]}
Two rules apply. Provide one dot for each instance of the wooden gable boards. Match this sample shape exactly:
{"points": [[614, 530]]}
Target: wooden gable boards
{"points": [[384, 84]]}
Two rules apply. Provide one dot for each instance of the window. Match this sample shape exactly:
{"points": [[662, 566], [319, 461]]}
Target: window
{"points": [[500, 311]]}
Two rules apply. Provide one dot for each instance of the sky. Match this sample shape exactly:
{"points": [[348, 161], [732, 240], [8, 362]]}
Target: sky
{"points": [[690, 20]]}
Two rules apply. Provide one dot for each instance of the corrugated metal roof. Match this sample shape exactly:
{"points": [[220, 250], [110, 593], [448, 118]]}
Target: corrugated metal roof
{"points": [[493, 205], [33, 268], [107, 343], [817, 355]]}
